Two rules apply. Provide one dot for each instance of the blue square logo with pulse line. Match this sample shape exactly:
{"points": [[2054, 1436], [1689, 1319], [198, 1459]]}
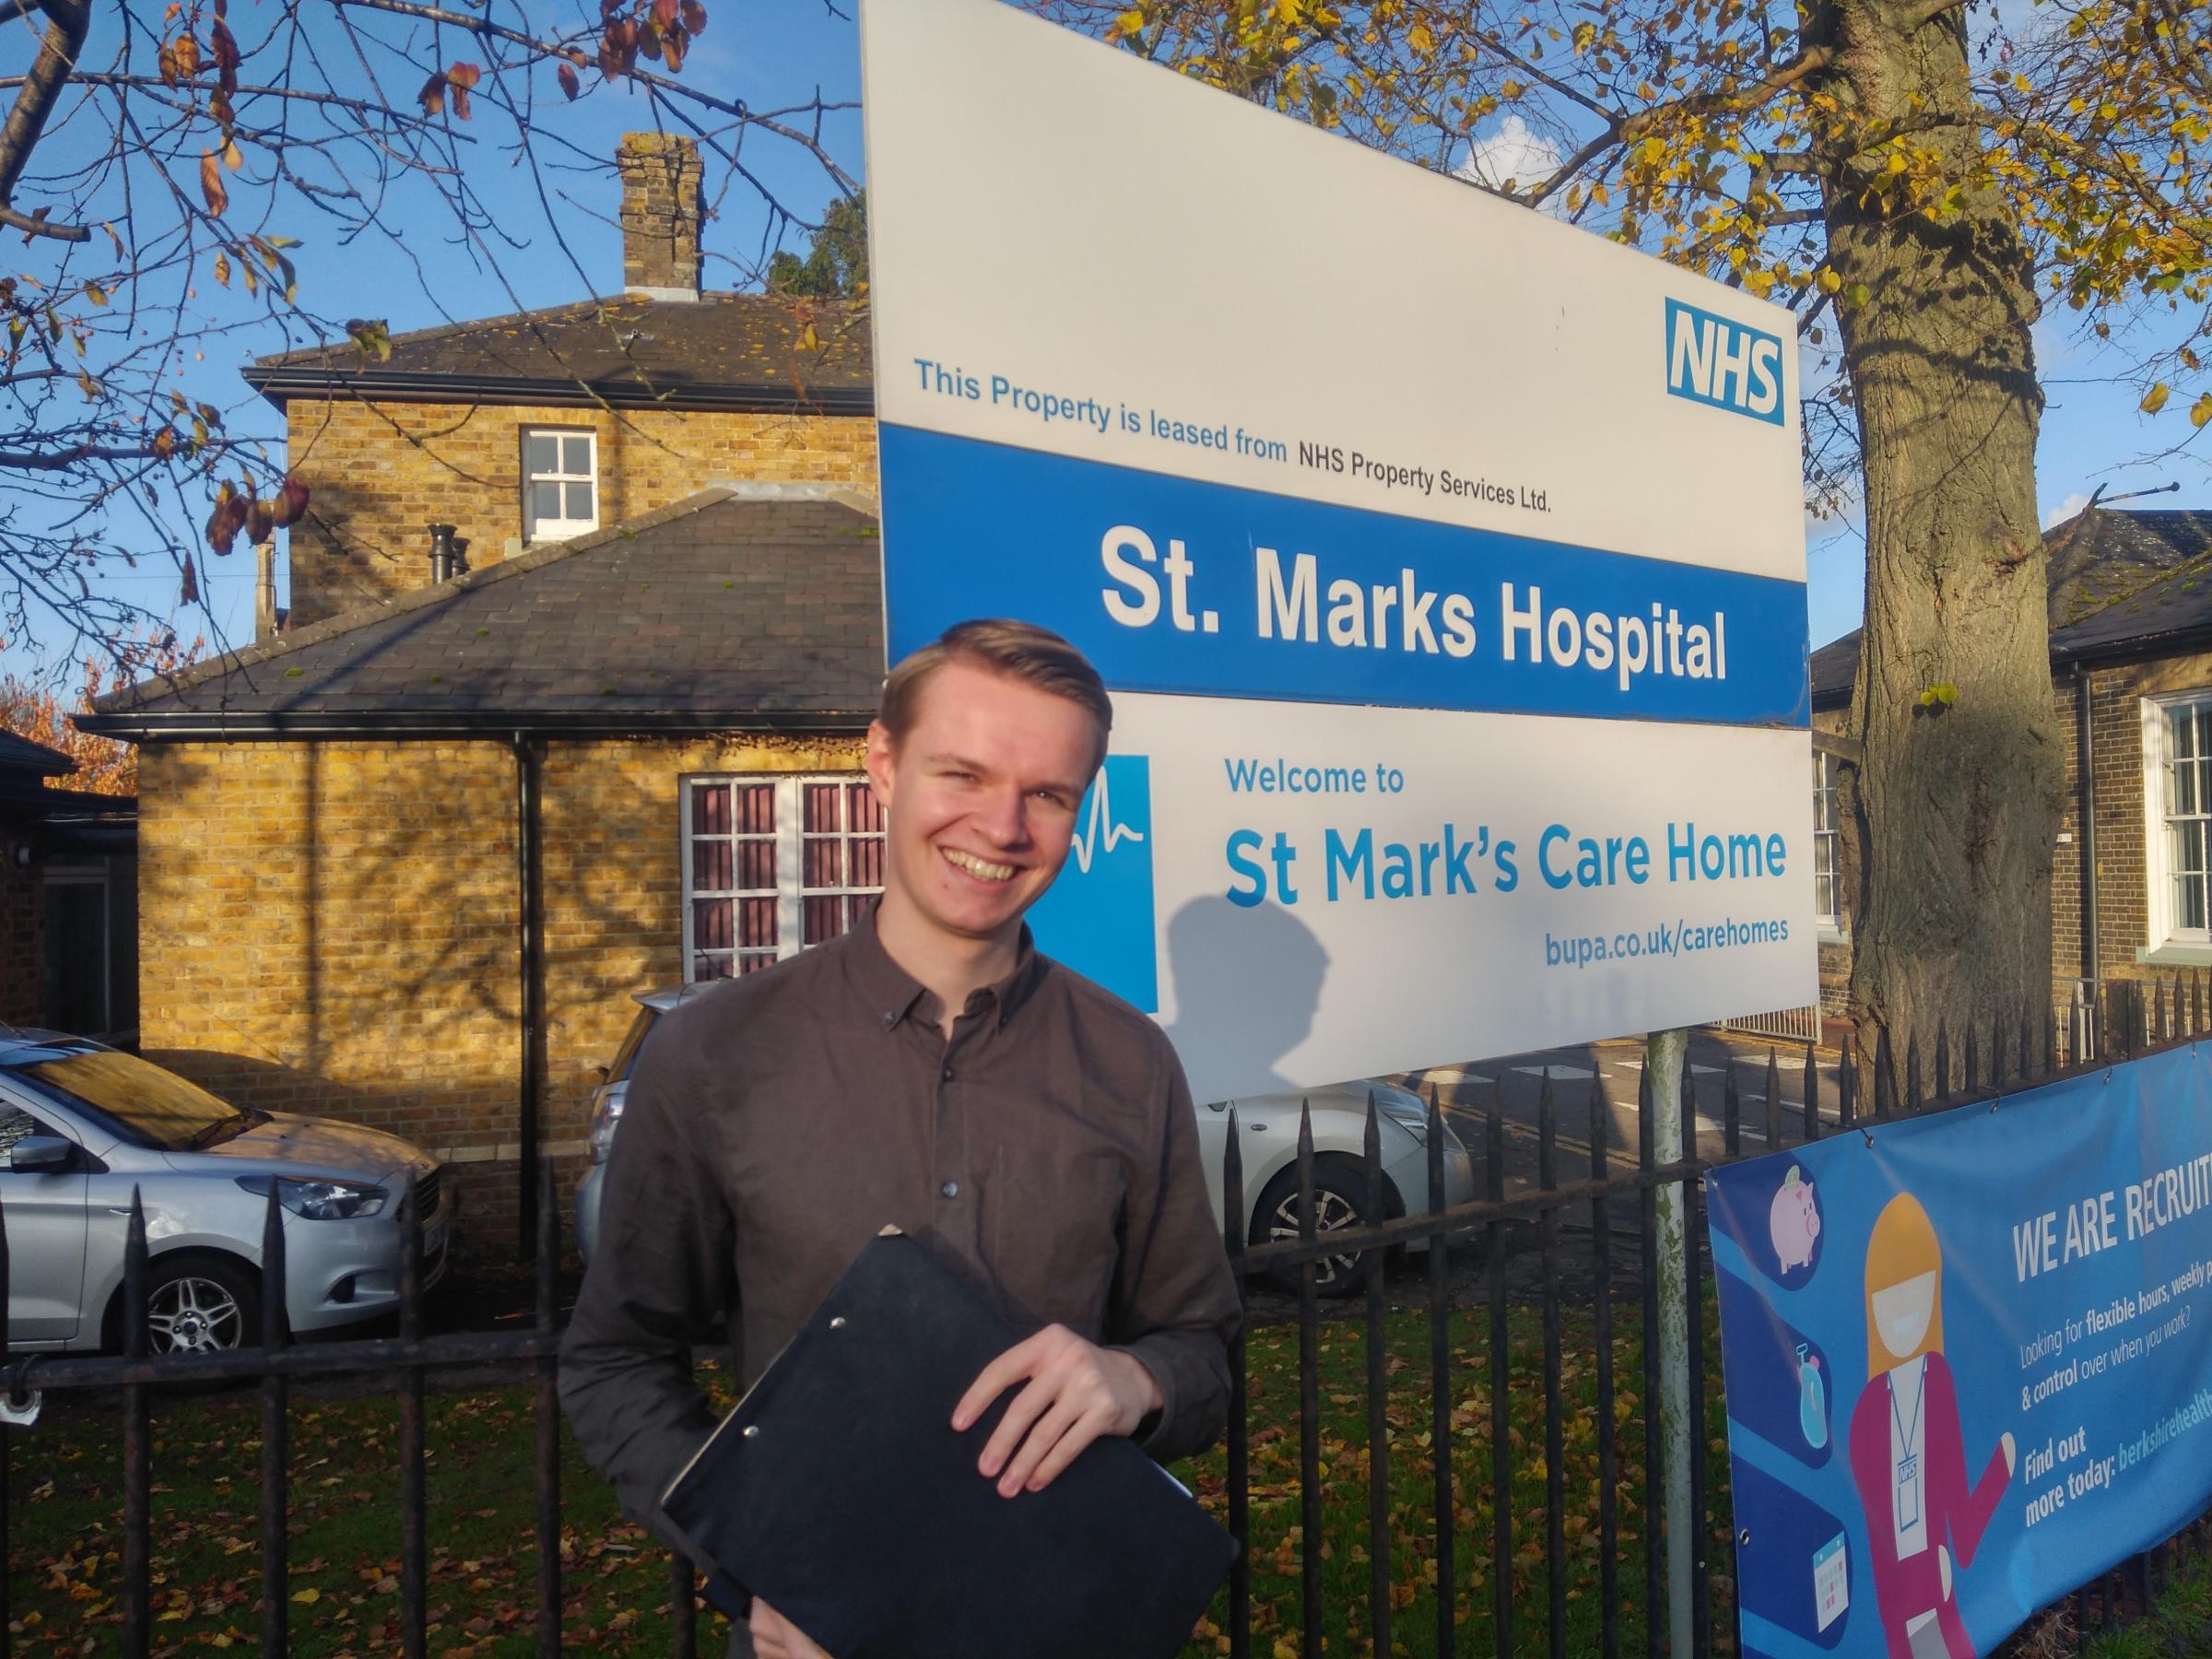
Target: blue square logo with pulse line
{"points": [[1098, 917]]}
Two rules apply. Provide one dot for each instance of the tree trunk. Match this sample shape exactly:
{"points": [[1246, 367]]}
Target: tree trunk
{"points": [[1956, 796]]}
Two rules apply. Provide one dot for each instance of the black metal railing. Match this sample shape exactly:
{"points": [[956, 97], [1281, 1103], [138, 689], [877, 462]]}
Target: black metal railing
{"points": [[1512, 1219]]}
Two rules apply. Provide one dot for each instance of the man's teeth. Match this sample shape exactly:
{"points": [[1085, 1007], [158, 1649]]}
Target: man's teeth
{"points": [[978, 867]]}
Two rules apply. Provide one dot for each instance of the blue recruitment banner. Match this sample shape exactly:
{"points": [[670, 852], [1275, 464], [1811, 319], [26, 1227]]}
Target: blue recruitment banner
{"points": [[1964, 1369], [1182, 585]]}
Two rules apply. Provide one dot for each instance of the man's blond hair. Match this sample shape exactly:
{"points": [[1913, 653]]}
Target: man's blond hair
{"points": [[1020, 651]]}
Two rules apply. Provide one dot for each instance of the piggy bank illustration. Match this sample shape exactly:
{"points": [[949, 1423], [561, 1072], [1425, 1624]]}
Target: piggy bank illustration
{"points": [[1794, 1222]]}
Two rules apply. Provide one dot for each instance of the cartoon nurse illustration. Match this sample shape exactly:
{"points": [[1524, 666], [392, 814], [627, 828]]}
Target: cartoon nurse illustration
{"points": [[1908, 1458]]}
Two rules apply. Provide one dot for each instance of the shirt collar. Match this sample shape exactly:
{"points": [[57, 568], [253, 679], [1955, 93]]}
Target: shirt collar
{"points": [[892, 992]]}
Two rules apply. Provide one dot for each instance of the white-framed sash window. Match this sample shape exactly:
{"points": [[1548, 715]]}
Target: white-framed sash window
{"points": [[773, 864], [2177, 799], [560, 484], [1828, 898]]}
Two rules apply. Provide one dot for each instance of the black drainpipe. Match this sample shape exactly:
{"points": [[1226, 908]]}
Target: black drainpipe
{"points": [[530, 871], [2085, 765]]}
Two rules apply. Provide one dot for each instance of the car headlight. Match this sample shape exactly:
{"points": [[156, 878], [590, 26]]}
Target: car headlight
{"points": [[320, 1200], [606, 1112]]}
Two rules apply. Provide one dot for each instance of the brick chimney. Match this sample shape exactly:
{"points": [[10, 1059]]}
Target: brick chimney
{"points": [[660, 216]]}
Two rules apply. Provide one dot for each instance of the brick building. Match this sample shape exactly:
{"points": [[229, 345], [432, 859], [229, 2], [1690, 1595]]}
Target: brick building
{"points": [[69, 898], [2131, 682], [407, 857]]}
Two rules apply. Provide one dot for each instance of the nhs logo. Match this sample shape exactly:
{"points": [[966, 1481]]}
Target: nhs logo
{"points": [[1713, 360], [1098, 917]]}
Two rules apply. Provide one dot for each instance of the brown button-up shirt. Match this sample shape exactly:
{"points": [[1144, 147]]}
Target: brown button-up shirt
{"points": [[774, 1126]]}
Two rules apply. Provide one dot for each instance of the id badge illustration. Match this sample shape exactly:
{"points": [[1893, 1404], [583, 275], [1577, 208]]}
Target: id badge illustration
{"points": [[1969, 1359]]}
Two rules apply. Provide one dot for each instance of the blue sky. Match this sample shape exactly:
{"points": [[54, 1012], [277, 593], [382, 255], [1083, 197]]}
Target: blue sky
{"points": [[777, 53]]}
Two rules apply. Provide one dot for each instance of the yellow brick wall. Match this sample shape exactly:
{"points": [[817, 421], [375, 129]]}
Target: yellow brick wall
{"points": [[381, 474], [333, 928], [614, 886]]}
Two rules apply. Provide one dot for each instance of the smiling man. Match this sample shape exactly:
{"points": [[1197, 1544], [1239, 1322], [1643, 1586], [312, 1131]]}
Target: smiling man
{"points": [[929, 1070]]}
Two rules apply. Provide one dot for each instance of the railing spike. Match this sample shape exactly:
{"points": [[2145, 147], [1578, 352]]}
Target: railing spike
{"points": [[276, 1434], [1773, 1100]]}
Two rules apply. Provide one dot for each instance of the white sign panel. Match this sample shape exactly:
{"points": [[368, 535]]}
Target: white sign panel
{"points": [[1423, 539]]}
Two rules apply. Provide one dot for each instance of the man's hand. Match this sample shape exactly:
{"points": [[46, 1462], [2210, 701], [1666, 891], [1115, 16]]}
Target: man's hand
{"points": [[775, 1637], [1076, 1392]]}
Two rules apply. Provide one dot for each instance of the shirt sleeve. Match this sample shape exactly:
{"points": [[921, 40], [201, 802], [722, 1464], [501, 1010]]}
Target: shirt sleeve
{"points": [[1175, 1305], [662, 1281]]}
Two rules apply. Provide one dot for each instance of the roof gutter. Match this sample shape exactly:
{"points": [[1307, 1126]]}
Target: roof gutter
{"points": [[281, 383], [423, 725], [2135, 647]]}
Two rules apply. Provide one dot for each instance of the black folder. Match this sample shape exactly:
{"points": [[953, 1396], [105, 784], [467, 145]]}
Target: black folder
{"points": [[836, 1491]]}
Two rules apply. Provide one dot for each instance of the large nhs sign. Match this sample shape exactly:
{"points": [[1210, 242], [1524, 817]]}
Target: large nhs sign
{"points": [[1713, 360]]}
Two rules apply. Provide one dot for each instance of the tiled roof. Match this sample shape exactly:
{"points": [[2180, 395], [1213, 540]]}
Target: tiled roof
{"points": [[741, 604], [721, 351], [2118, 579], [20, 754], [2104, 555], [2178, 605]]}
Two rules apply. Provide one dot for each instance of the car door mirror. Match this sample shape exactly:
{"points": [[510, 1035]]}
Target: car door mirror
{"points": [[47, 1152]]}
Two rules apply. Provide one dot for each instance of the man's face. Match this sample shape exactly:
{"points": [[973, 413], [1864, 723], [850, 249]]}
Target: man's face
{"points": [[979, 797]]}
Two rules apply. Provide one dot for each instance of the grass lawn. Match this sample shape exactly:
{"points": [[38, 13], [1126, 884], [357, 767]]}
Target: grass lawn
{"points": [[2178, 1627], [64, 1542]]}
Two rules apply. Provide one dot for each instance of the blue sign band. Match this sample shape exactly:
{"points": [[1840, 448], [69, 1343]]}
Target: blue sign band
{"points": [[1170, 584], [1965, 1366]]}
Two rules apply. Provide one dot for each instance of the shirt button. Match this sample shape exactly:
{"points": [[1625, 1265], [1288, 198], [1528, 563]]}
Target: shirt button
{"points": [[950, 1189], [948, 1078]]}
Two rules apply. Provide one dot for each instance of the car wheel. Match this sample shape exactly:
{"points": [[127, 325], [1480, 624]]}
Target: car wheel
{"points": [[201, 1304], [1339, 1205]]}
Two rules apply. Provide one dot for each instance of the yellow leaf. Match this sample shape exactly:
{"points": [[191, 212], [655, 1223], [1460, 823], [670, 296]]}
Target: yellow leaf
{"points": [[2155, 399], [2200, 412], [307, 1597], [1420, 40], [222, 269], [233, 157]]}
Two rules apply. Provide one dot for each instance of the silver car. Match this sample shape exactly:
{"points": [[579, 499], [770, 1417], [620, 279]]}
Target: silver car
{"points": [[1267, 1142], [1267, 1126], [607, 1100], [82, 1126]]}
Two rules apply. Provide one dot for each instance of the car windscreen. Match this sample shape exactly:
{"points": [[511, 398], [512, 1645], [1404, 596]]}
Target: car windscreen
{"points": [[136, 1100]]}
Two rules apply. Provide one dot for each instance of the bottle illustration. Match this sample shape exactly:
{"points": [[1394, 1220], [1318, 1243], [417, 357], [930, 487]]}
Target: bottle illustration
{"points": [[1812, 1398]]}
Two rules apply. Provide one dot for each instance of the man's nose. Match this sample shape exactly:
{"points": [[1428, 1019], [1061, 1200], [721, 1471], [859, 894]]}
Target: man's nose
{"points": [[1005, 817]]}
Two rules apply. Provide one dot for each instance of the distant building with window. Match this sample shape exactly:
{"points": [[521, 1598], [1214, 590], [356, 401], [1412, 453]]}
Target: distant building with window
{"points": [[2131, 681], [408, 857], [524, 429], [69, 899]]}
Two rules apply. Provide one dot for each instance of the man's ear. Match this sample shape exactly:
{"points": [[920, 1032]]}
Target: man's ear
{"points": [[881, 762]]}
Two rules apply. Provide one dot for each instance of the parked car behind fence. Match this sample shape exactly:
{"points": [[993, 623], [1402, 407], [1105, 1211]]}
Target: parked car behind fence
{"points": [[1268, 1130], [83, 1127]]}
